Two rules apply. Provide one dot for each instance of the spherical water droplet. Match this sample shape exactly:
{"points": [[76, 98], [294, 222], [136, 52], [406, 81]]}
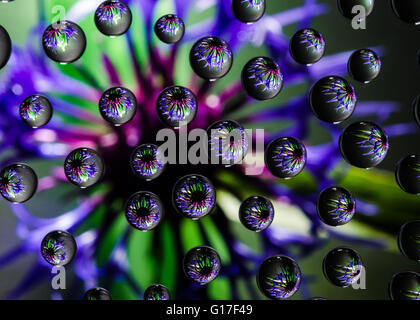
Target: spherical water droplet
{"points": [[211, 58], [335, 206], [407, 10], [346, 7], [409, 240], [332, 99], [194, 196], [118, 105], [285, 157], [248, 11], [176, 106], [342, 266], [147, 162], [279, 277], [262, 78], [36, 111], [407, 174], [97, 293], [5, 47], [228, 142], [113, 18], [307, 46], [364, 65], [58, 248], [18, 183], [416, 109], [363, 144], [144, 210], [64, 42], [405, 286], [157, 292], [256, 213], [201, 264], [84, 167], [170, 28]]}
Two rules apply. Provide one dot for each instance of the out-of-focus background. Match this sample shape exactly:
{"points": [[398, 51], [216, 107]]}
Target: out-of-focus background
{"points": [[398, 81]]}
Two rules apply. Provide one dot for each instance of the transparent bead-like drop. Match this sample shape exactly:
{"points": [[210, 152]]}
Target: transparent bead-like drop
{"points": [[64, 42], [194, 196], [279, 277], [58, 248], [84, 167], [18, 183], [113, 18], [364, 144], [144, 210], [342, 266], [202, 264], [256, 213], [285, 157], [262, 78], [211, 58], [170, 28], [332, 99], [36, 111]]}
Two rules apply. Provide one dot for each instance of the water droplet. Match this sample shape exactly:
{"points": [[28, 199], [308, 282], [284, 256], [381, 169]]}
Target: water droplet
{"points": [[256, 213], [58, 248], [211, 58], [18, 183], [279, 277], [405, 286], [113, 18], [363, 144], [194, 196], [84, 167], [409, 240], [36, 111], [170, 28], [335, 206], [342, 266], [176, 106], [118, 105], [64, 42], [416, 109], [406, 10], [307, 46], [5, 47], [262, 78], [144, 210], [201, 264], [285, 157], [97, 293], [332, 99], [248, 11], [147, 162], [346, 6], [157, 292], [407, 174], [364, 65], [228, 142]]}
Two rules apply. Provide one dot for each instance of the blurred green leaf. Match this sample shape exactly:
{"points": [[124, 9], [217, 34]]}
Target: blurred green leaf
{"points": [[380, 188], [169, 266], [219, 289], [190, 234], [216, 239], [110, 240], [142, 259], [121, 291]]}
